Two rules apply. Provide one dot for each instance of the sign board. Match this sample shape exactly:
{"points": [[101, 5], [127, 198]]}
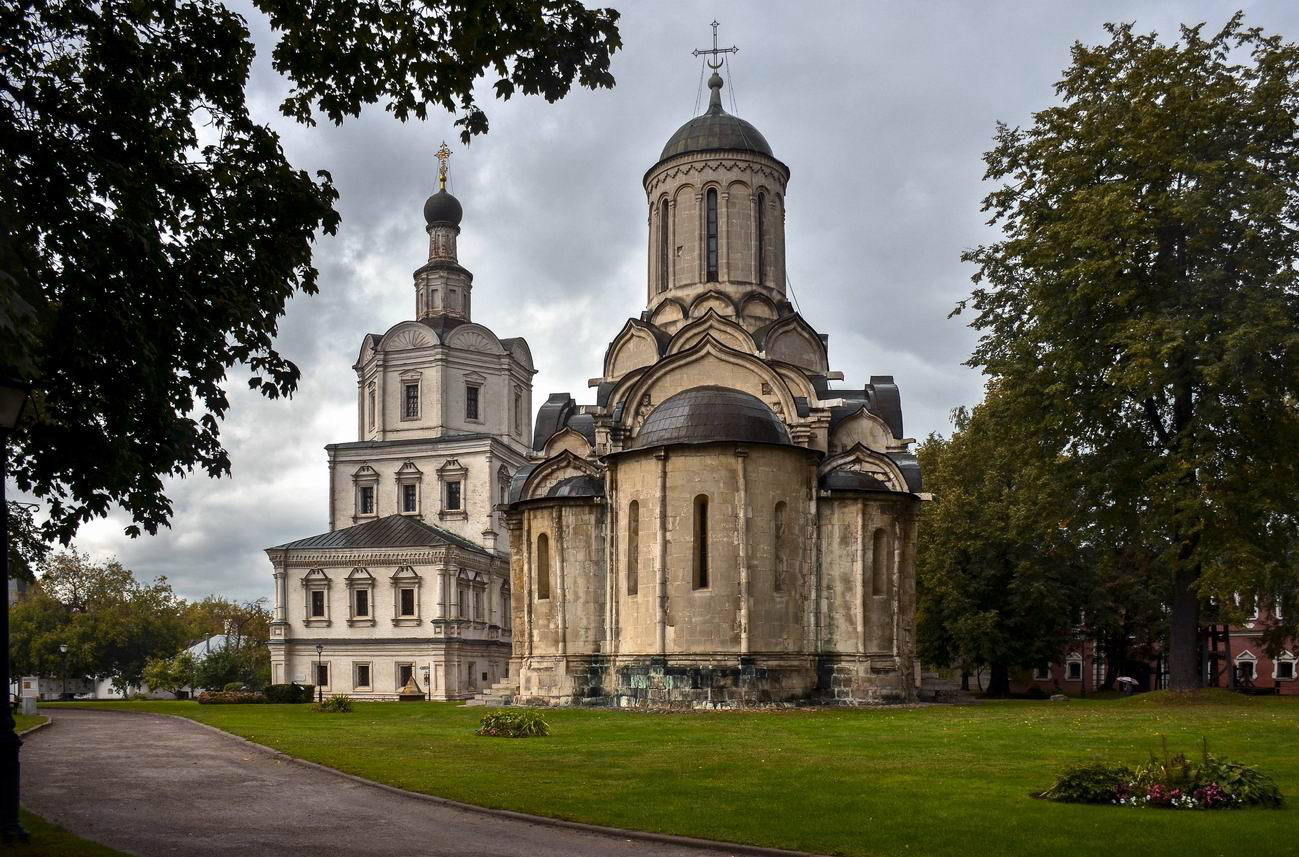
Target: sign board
{"points": [[31, 687]]}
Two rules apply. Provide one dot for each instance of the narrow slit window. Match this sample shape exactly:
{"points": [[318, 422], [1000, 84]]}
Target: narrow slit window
{"points": [[633, 547], [322, 675], [778, 563], [701, 543], [712, 234], [372, 409], [880, 562], [762, 239], [543, 567], [664, 256]]}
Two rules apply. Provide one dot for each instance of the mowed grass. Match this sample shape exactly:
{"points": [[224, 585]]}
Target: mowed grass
{"points": [[50, 840], [23, 722], [935, 780]]}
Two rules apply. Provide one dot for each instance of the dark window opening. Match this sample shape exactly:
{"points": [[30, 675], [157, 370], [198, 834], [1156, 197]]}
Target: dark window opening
{"points": [[453, 496], [700, 576], [880, 562], [712, 235], [762, 238], [664, 256], [409, 498], [322, 675], [407, 602], [362, 675], [1285, 670], [362, 602], [633, 547], [317, 603], [543, 567], [367, 500], [778, 527], [404, 673], [410, 398], [471, 402]]}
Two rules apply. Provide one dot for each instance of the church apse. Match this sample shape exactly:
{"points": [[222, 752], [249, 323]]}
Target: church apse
{"points": [[721, 526]]}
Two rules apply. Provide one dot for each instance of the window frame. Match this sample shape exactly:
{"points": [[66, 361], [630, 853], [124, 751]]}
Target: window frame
{"points": [[317, 666], [712, 236], [407, 386], [761, 248], [701, 545], [473, 414], [665, 257], [1289, 660], [404, 592], [632, 572], [541, 567], [1072, 661], [357, 666]]}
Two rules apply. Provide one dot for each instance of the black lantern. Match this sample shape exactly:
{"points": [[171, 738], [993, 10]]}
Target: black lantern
{"points": [[320, 690]]}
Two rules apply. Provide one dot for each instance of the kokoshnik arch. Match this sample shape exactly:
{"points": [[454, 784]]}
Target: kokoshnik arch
{"points": [[721, 526]]}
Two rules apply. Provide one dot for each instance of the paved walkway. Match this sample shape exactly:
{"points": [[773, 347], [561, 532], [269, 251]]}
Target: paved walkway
{"points": [[153, 785]]}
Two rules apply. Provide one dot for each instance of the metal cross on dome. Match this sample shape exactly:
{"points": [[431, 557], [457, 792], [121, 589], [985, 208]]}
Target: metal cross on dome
{"points": [[443, 153], [716, 51]]}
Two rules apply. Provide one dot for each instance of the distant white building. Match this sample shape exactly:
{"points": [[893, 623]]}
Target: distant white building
{"points": [[412, 578]]}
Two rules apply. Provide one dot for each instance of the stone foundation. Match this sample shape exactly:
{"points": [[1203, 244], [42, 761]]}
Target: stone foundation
{"points": [[701, 682]]}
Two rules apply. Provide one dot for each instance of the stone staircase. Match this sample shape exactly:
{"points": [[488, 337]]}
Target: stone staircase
{"points": [[501, 693]]}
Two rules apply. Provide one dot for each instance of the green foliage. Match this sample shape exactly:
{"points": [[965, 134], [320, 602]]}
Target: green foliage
{"points": [[287, 694], [528, 723], [1141, 302], [170, 674], [1091, 783], [142, 262], [233, 685], [338, 703], [111, 623], [27, 547], [232, 697]]}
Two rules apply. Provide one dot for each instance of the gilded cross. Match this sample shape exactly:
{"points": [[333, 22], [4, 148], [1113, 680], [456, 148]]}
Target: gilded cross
{"points": [[443, 153], [715, 51]]}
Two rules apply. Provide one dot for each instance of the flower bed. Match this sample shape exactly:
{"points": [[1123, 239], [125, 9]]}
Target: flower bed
{"points": [[1169, 782], [513, 724], [232, 697]]}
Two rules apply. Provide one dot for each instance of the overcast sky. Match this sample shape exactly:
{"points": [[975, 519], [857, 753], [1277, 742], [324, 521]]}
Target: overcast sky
{"points": [[881, 110]]}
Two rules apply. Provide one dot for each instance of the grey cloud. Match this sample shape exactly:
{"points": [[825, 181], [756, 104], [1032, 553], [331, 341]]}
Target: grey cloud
{"points": [[882, 112]]}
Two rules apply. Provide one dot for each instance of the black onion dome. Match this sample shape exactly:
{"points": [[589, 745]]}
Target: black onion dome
{"points": [[442, 207], [711, 414], [715, 129]]}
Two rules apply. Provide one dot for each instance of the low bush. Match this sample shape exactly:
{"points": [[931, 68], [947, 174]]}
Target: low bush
{"points": [[234, 697], [233, 685], [286, 694], [527, 723], [1094, 783], [339, 703], [1169, 781]]}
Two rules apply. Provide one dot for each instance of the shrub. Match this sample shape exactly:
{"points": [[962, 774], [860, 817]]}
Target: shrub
{"points": [[233, 685], [528, 723], [1094, 783], [290, 693], [233, 697], [339, 703]]}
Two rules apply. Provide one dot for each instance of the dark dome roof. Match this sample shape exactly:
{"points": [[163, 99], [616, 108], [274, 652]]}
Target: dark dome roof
{"points": [[715, 129], [852, 480], [577, 486], [707, 414], [442, 207]]}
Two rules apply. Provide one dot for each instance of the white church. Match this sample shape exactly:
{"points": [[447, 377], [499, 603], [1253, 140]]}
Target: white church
{"points": [[410, 586]]}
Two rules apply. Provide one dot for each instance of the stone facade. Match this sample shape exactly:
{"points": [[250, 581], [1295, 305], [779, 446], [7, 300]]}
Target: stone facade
{"points": [[720, 527], [412, 577]]}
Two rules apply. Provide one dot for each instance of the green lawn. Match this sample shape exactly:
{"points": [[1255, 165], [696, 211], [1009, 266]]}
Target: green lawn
{"points": [[24, 722], [916, 781], [49, 840]]}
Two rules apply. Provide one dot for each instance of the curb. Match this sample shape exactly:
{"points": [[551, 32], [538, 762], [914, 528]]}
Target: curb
{"points": [[38, 727], [621, 833]]}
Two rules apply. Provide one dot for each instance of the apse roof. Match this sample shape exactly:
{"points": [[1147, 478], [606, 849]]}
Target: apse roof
{"points": [[709, 414]]}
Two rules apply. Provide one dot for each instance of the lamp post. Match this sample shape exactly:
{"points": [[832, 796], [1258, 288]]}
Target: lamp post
{"points": [[13, 396], [320, 690], [63, 648]]}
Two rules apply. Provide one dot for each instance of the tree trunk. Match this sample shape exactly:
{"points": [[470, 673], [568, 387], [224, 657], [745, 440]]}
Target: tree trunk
{"points": [[998, 681], [1184, 634]]}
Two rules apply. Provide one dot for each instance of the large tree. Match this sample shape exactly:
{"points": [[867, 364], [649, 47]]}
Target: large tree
{"points": [[998, 575], [1144, 291], [151, 231]]}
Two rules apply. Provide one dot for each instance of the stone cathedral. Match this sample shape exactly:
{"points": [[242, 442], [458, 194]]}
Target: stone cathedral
{"points": [[721, 526]]}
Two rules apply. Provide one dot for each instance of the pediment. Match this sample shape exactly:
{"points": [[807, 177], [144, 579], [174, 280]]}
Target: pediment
{"points": [[860, 459], [634, 347], [861, 428], [406, 336], [475, 337], [569, 439], [405, 573], [723, 330], [792, 340], [714, 301], [555, 469], [360, 575]]}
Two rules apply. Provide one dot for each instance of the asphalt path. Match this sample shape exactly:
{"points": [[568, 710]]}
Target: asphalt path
{"points": [[152, 785]]}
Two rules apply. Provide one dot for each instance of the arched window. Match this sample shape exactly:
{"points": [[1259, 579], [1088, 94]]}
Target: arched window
{"points": [[700, 575], [762, 238], [543, 567], [778, 555], [503, 486], [880, 563], [663, 246], [633, 547], [712, 234]]}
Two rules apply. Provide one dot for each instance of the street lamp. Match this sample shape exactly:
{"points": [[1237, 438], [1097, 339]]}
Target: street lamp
{"points": [[320, 690], [13, 396], [64, 649]]}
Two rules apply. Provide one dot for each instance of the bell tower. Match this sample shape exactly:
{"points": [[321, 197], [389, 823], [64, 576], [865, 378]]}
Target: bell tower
{"points": [[442, 285]]}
